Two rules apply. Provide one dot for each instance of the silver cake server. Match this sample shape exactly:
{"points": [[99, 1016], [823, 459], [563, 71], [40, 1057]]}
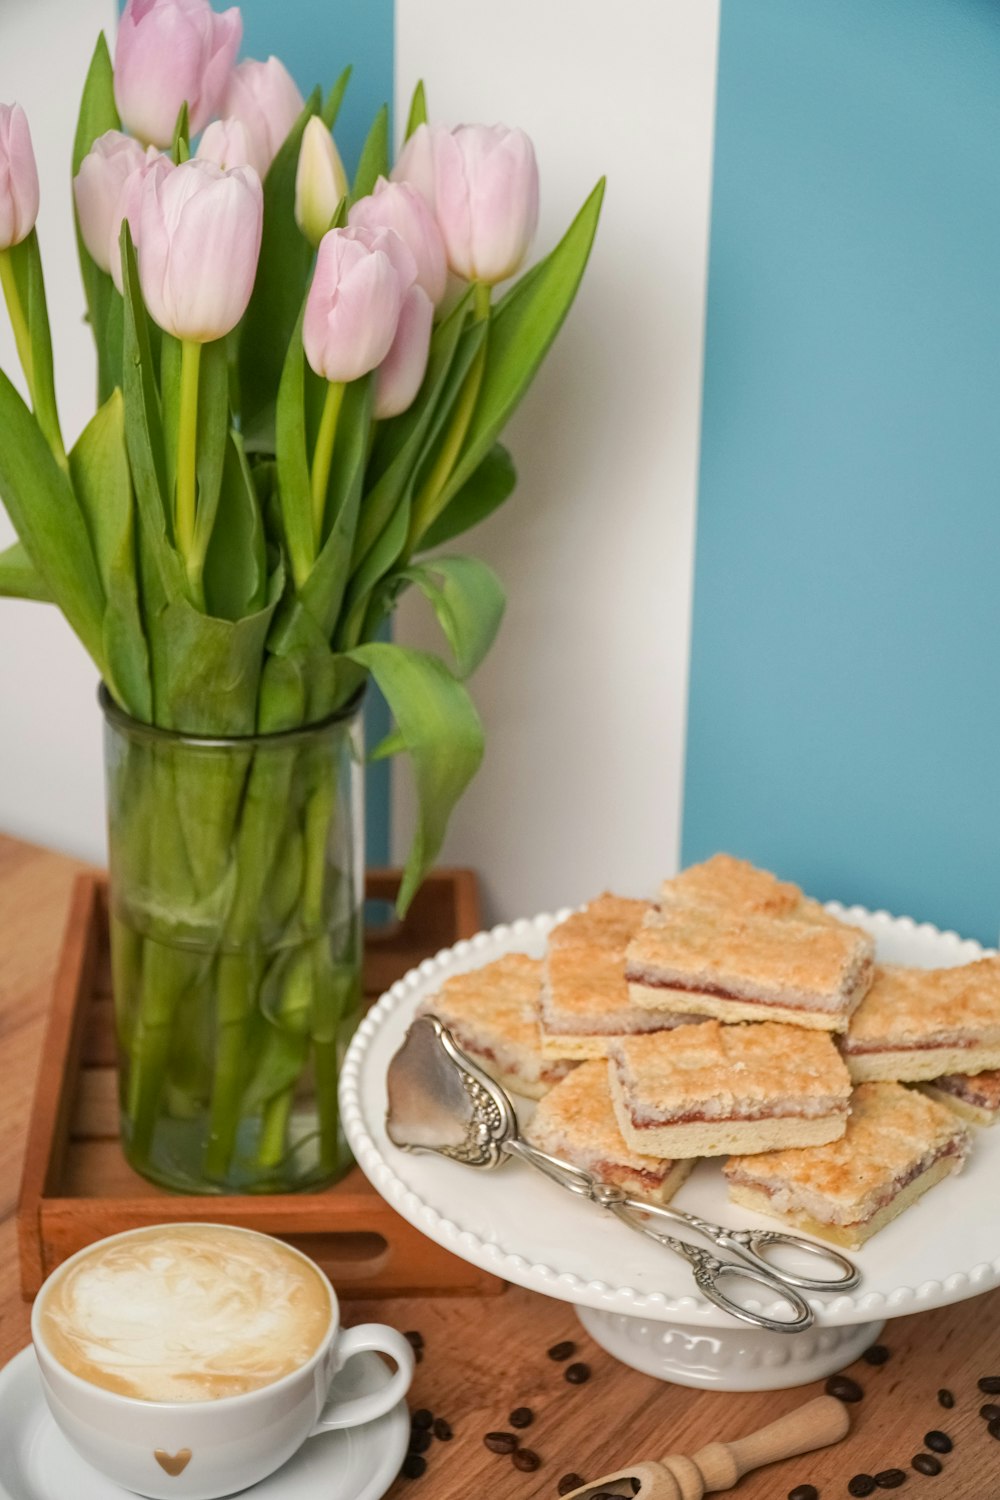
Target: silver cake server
{"points": [[441, 1102]]}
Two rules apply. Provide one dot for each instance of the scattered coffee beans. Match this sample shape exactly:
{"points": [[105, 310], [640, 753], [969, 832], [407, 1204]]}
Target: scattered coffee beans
{"points": [[845, 1389], [890, 1479], [926, 1463], [804, 1492], [861, 1484], [414, 1339], [568, 1483], [990, 1385], [421, 1417], [521, 1416], [876, 1355], [578, 1373], [420, 1440], [500, 1442], [526, 1460], [993, 1428], [414, 1466], [939, 1441], [990, 1411], [442, 1430], [946, 1399], [567, 1349]]}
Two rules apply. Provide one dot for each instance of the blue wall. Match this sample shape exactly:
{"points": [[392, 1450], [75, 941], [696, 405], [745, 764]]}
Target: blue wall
{"points": [[844, 715]]}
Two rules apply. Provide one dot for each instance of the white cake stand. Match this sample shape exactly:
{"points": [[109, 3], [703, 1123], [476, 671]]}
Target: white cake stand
{"points": [[634, 1297]]}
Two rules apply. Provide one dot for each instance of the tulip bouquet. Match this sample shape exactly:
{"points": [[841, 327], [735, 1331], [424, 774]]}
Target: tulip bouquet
{"points": [[301, 383]]}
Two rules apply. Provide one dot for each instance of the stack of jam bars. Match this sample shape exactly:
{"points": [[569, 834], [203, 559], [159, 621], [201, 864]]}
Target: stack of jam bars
{"points": [[735, 1017]]}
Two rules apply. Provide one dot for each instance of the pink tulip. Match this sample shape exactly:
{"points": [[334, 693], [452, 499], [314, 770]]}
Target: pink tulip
{"points": [[402, 371], [416, 163], [127, 207], [398, 206], [354, 302], [18, 177], [199, 239], [486, 199], [227, 143], [97, 187], [264, 98], [169, 52]]}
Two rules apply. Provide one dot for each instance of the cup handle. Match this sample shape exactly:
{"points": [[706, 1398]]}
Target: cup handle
{"points": [[376, 1336]]}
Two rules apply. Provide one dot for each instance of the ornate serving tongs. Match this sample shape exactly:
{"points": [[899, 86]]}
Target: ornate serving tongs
{"points": [[441, 1102]]}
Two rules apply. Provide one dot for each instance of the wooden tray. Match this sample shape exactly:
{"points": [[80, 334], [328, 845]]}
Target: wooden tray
{"points": [[77, 1186]]}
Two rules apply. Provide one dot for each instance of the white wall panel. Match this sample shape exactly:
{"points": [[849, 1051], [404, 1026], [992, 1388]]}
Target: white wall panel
{"points": [[584, 695], [51, 785]]}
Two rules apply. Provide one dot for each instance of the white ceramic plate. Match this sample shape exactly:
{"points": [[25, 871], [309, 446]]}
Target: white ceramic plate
{"points": [[360, 1463], [524, 1229]]}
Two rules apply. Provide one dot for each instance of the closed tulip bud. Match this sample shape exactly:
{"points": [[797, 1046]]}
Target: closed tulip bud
{"points": [[399, 206], [18, 177], [127, 207], [227, 144], [320, 181], [486, 199], [198, 243], [170, 52], [354, 303], [264, 98], [401, 373], [416, 162], [97, 188]]}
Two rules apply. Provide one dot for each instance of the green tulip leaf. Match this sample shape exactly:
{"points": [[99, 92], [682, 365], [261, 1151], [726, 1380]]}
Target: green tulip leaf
{"points": [[522, 327], [280, 285], [19, 578], [374, 160], [335, 98], [180, 146], [418, 110], [98, 113], [100, 473], [236, 562], [483, 492], [213, 445], [294, 487], [47, 518], [324, 589], [25, 260], [468, 599], [439, 726]]}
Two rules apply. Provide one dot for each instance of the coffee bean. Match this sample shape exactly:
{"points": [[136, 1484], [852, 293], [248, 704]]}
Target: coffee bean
{"points": [[420, 1440], [926, 1463], [500, 1442], [993, 1428], [990, 1411], [804, 1492], [521, 1416], [990, 1385], [421, 1417], [442, 1430], [939, 1441], [578, 1373], [844, 1388], [414, 1339], [876, 1355], [946, 1399], [861, 1484], [890, 1479], [526, 1460], [568, 1483], [562, 1351], [414, 1466]]}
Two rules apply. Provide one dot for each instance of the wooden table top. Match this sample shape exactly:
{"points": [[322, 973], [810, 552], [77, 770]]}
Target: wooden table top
{"points": [[482, 1358]]}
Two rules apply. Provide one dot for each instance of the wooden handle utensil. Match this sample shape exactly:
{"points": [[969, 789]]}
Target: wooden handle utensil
{"points": [[721, 1465]]}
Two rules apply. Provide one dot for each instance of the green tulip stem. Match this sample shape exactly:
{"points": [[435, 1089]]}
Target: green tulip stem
{"points": [[323, 455], [426, 506], [18, 320], [187, 464], [42, 392]]}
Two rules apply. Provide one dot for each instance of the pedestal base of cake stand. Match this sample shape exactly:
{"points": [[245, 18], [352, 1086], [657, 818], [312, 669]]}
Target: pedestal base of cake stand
{"points": [[727, 1359]]}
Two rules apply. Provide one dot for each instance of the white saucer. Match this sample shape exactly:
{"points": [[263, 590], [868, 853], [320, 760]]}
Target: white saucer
{"points": [[37, 1463]]}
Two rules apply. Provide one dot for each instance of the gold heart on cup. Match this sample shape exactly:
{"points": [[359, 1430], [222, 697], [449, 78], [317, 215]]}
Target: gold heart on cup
{"points": [[173, 1463]]}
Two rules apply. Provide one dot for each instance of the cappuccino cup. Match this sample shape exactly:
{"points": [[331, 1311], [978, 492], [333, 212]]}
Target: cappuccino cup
{"points": [[192, 1360]]}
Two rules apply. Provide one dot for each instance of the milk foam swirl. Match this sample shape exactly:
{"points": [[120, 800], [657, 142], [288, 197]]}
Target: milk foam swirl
{"points": [[186, 1314]]}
